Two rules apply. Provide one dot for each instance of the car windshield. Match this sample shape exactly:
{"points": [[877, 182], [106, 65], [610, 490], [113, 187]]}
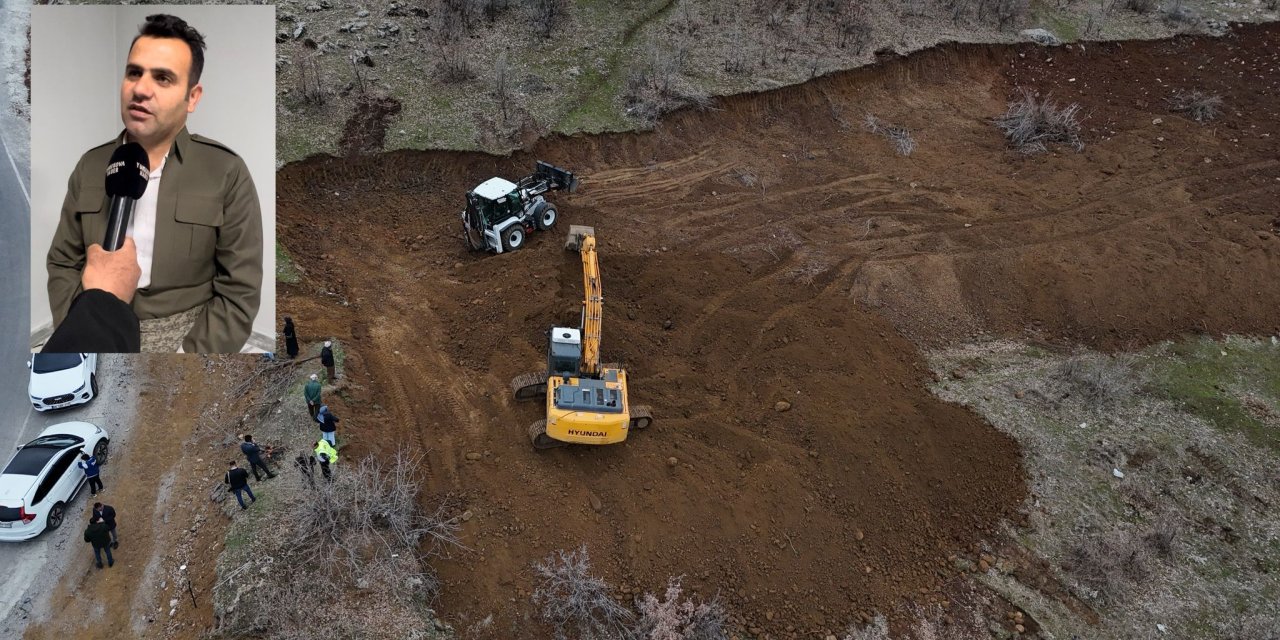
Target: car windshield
{"points": [[50, 362]]}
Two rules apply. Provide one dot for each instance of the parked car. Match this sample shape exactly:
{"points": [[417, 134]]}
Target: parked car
{"points": [[42, 478], [60, 380]]}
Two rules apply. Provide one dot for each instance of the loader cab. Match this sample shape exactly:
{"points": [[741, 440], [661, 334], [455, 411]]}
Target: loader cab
{"points": [[493, 201], [564, 352]]}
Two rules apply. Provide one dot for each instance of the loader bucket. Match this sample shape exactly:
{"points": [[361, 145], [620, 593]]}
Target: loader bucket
{"points": [[557, 177]]}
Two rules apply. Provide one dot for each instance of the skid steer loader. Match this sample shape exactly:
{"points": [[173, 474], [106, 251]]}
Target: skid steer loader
{"points": [[500, 214]]}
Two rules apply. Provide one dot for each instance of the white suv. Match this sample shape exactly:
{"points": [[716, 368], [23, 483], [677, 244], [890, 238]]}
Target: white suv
{"points": [[42, 478], [60, 380]]}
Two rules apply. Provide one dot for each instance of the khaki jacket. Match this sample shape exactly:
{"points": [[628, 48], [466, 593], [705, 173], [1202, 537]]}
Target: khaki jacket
{"points": [[208, 246]]}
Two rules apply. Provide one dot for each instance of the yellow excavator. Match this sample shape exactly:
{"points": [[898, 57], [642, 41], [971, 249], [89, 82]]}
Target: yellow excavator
{"points": [[587, 402]]}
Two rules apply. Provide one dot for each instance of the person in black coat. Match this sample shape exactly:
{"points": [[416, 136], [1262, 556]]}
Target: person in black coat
{"points": [[108, 515], [326, 359], [238, 480], [328, 425], [290, 338], [98, 535], [253, 453]]}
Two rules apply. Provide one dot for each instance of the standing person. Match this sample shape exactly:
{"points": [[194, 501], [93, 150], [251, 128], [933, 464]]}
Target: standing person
{"points": [[290, 338], [326, 359], [99, 536], [253, 453], [327, 455], [328, 424], [198, 225], [90, 465], [108, 515], [238, 480], [312, 393]]}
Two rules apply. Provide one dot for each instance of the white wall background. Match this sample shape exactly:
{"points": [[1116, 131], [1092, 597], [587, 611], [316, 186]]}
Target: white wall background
{"points": [[78, 55]]}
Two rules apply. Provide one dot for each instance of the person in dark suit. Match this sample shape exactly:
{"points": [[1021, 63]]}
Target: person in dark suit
{"points": [[98, 535], [238, 480], [108, 515]]}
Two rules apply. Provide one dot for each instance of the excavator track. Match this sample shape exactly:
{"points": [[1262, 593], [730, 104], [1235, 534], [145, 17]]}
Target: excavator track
{"points": [[538, 436], [529, 386], [641, 416]]}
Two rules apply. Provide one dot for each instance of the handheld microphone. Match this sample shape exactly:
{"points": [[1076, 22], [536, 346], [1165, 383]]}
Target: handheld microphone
{"points": [[127, 175]]}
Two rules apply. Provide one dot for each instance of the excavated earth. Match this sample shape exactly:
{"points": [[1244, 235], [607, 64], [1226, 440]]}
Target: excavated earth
{"points": [[770, 250]]}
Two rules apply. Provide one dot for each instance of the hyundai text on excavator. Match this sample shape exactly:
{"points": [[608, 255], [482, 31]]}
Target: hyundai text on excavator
{"points": [[587, 402]]}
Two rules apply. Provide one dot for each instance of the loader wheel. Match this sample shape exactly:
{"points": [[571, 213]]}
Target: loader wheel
{"points": [[513, 237], [547, 217], [538, 436], [641, 417], [530, 386]]}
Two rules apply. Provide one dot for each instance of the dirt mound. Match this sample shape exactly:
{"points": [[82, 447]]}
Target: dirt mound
{"points": [[771, 250]]}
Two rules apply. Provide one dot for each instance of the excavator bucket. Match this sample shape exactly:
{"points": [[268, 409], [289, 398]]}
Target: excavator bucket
{"points": [[576, 233], [556, 177]]}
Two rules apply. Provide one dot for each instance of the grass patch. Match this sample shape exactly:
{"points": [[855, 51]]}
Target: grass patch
{"points": [[286, 271], [1209, 379]]}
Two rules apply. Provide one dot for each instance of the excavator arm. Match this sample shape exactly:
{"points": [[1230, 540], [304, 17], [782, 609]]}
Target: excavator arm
{"points": [[592, 301]]}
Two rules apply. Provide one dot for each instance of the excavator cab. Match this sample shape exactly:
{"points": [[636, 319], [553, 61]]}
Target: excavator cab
{"points": [[564, 352]]}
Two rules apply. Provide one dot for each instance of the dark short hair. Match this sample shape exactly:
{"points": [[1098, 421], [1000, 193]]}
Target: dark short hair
{"points": [[163, 25], [231, 463], [97, 504], [248, 438]]}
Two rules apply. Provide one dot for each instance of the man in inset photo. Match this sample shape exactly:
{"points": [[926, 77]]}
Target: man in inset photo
{"points": [[195, 220]]}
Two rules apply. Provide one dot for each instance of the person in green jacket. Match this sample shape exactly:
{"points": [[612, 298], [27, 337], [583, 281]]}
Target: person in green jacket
{"points": [[312, 393], [198, 227]]}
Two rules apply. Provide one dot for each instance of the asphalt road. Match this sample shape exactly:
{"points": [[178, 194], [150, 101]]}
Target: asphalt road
{"points": [[33, 568], [15, 264]]}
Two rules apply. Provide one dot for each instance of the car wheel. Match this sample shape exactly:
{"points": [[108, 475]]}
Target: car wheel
{"points": [[100, 451], [55, 516], [93, 384], [513, 237]]}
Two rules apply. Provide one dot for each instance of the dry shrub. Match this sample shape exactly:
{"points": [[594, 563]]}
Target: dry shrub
{"points": [[1197, 105], [900, 137], [1108, 565], [1162, 534], [1030, 124], [364, 532], [572, 599], [1177, 13], [878, 629], [546, 15], [656, 87], [1141, 6], [1098, 379], [676, 619]]}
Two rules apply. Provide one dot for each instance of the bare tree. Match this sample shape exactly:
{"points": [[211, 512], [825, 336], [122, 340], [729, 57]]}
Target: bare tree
{"points": [[546, 15]]}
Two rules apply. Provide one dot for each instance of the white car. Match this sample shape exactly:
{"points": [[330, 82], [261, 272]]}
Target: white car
{"points": [[60, 380], [42, 479]]}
